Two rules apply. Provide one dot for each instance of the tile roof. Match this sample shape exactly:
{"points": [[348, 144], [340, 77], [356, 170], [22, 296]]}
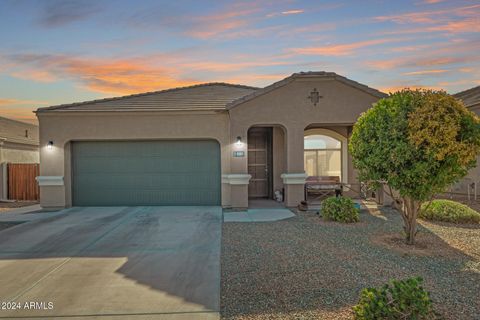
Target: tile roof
{"points": [[311, 74], [208, 96], [470, 97]]}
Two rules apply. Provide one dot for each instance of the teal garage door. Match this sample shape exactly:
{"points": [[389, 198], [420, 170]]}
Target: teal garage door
{"points": [[141, 173]]}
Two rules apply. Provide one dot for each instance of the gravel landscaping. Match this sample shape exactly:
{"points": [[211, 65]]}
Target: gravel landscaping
{"points": [[305, 268]]}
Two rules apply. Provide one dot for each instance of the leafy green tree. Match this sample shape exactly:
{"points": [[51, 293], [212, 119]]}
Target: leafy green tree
{"points": [[418, 142]]}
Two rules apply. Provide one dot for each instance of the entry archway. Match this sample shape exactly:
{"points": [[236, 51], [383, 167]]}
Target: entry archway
{"points": [[325, 153]]}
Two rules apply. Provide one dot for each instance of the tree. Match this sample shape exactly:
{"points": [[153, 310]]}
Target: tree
{"points": [[418, 142]]}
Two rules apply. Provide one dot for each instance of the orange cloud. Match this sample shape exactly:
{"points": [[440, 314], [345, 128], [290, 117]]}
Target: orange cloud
{"points": [[232, 18], [16, 102], [214, 66], [409, 62], [25, 115], [339, 50], [122, 76], [470, 25], [395, 88], [292, 12], [36, 75], [423, 72], [467, 82], [431, 17], [20, 110]]}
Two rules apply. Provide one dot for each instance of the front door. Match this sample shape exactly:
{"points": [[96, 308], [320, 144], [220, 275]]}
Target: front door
{"points": [[259, 162]]}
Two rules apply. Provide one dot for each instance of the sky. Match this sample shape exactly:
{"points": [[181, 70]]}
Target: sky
{"points": [[54, 52]]}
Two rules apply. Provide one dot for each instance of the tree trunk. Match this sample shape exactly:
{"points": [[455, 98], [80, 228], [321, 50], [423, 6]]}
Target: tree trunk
{"points": [[410, 218]]}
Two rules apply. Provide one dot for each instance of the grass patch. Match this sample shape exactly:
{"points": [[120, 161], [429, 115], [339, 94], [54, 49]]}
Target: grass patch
{"points": [[449, 211]]}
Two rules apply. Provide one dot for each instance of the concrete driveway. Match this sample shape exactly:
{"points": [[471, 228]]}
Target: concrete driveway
{"points": [[114, 262]]}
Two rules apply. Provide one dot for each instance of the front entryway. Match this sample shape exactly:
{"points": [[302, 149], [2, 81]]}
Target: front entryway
{"points": [[260, 162], [133, 173]]}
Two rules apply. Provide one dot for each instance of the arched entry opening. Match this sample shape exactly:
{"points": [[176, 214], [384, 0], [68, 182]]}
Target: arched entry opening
{"points": [[325, 154]]}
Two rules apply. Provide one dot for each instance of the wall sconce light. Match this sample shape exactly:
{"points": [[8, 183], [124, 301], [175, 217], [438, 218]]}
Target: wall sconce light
{"points": [[50, 145], [239, 142]]}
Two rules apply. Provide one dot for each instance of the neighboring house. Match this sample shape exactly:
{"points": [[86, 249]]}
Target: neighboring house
{"points": [[471, 99], [18, 144], [209, 144]]}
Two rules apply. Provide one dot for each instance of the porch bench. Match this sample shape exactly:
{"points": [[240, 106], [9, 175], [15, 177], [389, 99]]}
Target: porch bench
{"points": [[322, 186]]}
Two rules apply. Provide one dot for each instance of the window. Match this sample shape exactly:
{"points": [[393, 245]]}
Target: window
{"points": [[322, 156]]}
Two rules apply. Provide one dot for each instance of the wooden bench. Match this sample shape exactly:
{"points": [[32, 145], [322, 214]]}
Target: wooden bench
{"points": [[322, 186]]}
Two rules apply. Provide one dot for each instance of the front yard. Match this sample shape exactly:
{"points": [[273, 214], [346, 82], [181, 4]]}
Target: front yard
{"points": [[304, 268]]}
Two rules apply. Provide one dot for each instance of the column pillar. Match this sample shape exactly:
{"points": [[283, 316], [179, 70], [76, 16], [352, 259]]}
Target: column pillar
{"points": [[294, 178]]}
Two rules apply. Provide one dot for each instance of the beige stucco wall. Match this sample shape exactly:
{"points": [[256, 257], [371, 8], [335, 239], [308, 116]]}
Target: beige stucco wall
{"points": [[18, 141], [289, 107], [18, 153], [62, 128], [279, 157], [286, 108]]}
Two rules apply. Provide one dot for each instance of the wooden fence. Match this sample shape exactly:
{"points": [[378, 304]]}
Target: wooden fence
{"points": [[21, 181]]}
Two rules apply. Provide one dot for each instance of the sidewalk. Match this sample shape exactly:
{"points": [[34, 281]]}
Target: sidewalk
{"points": [[25, 214]]}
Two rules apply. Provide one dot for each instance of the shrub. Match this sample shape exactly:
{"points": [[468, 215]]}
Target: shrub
{"points": [[418, 142], [405, 299], [449, 211], [340, 209]]}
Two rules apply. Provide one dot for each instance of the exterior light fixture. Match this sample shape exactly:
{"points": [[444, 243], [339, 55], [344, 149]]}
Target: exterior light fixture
{"points": [[50, 145], [239, 142]]}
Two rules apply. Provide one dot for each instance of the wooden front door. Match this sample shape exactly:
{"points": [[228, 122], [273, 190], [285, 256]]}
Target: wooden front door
{"points": [[259, 162]]}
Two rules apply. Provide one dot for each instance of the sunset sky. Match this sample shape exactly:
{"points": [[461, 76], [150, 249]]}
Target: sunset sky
{"points": [[55, 52]]}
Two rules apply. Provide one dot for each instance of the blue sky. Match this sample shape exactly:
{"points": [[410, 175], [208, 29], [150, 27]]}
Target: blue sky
{"points": [[56, 52]]}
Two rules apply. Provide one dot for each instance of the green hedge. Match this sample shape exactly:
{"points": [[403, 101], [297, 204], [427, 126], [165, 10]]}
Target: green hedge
{"points": [[397, 300], [340, 209], [449, 211]]}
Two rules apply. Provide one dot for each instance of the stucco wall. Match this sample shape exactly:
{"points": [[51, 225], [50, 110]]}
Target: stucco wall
{"points": [[289, 107], [17, 153], [67, 127], [279, 157]]}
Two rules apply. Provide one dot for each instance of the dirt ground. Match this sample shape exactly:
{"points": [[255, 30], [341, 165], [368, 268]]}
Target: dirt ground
{"points": [[305, 268]]}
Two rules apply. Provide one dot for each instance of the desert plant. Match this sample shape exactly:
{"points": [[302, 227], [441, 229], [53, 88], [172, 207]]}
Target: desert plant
{"points": [[448, 211], [418, 142], [405, 299], [340, 209]]}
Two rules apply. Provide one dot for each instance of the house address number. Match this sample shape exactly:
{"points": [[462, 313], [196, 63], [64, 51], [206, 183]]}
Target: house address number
{"points": [[239, 154]]}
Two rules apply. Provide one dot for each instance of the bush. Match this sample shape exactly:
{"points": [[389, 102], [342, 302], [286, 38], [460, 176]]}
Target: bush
{"points": [[340, 209], [449, 211], [404, 299]]}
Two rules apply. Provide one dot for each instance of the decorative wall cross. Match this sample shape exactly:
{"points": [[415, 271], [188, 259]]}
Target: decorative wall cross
{"points": [[314, 96]]}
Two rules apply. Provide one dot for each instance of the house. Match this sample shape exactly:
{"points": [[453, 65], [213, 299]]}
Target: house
{"points": [[19, 143], [471, 99], [207, 144]]}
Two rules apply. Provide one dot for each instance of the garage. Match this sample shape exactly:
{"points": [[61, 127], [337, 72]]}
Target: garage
{"points": [[136, 173]]}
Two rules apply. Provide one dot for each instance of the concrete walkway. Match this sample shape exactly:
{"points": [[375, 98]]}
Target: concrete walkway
{"points": [[115, 263], [25, 214], [258, 215]]}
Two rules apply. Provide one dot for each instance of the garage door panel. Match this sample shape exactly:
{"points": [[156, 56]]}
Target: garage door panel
{"points": [[146, 173], [150, 165]]}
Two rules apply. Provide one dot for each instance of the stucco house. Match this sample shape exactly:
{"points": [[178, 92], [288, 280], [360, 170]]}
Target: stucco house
{"points": [[471, 183], [207, 144], [19, 143]]}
